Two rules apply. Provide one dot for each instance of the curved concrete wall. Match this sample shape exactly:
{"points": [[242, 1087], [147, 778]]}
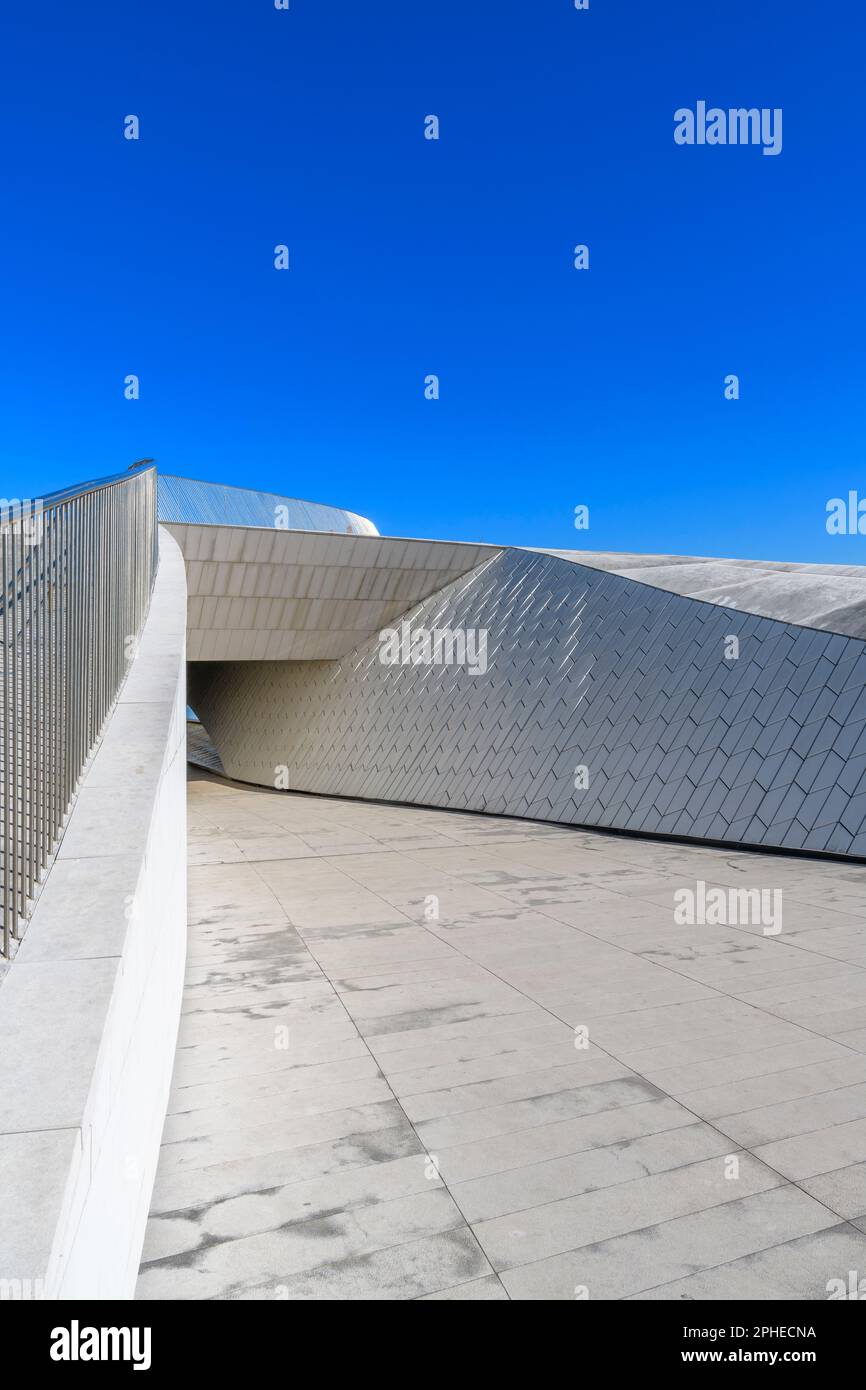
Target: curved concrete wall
{"points": [[90, 1005], [585, 669]]}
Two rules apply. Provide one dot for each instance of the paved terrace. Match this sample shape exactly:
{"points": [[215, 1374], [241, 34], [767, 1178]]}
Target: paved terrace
{"points": [[297, 1164]]}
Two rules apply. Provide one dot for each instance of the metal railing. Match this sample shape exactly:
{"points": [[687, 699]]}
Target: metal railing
{"points": [[77, 570]]}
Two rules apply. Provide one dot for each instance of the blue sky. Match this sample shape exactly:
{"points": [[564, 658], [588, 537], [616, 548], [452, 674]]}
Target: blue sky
{"points": [[410, 257]]}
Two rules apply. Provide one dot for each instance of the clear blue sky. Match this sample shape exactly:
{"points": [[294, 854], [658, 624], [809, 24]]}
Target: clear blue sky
{"points": [[454, 257]]}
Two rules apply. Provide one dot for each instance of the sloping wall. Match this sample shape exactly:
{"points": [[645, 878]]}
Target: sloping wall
{"points": [[585, 670]]}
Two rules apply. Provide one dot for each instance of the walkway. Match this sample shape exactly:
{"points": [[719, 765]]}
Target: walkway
{"points": [[380, 1092]]}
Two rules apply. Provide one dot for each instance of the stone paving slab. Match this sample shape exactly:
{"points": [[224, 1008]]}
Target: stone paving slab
{"points": [[441, 1056]]}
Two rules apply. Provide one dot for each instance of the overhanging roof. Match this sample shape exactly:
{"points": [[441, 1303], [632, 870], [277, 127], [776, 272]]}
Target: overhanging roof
{"points": [[259, 594]]}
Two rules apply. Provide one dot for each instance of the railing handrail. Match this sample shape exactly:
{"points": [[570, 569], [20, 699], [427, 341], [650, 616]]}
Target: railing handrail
{"points": [[66, 494], [77, 569]]}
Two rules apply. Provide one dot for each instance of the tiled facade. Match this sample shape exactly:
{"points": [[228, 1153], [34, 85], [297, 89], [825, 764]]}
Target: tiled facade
{"points": [[585, 669]]}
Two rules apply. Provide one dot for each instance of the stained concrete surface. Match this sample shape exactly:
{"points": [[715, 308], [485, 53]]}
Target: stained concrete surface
{"points": [[381, 1090]]}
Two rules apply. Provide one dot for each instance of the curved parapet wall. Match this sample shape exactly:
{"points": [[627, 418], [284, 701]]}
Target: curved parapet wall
{"points": [[89, 1006], [602, 702], [220, 504]]}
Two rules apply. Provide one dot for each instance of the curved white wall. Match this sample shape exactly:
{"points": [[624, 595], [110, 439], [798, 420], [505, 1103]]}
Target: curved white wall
{"points": [[89, 1007]]}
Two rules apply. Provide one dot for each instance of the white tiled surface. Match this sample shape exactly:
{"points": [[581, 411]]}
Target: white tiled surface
{"points": [[431, 1130], [583, 669], [271, 595]]}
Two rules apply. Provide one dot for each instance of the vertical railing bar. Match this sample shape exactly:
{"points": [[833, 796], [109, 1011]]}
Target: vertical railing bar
{"points": [[77, 576], [26, 692], [14, 808], [6, 769], [38, 698]]}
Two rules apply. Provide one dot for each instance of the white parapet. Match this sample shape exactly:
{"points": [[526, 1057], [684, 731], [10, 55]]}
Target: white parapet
{"points": [[89, 1007]]}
